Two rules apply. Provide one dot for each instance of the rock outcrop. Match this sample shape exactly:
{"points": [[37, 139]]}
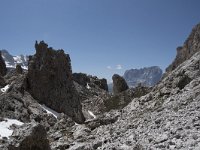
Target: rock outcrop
{"points": [[3, 69], [32, 137], [84, 80], [49, 80], [119, 84], [189, 48], [147, 76], [19, 69]]}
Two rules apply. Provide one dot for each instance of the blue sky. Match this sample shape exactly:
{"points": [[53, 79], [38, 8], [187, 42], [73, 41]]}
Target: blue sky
{"points": [[103, 37]]}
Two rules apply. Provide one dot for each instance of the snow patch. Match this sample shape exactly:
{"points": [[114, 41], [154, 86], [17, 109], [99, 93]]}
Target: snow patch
{"points": [[24, 67], [5, 130], [92, 114], [5, 88], [87, 86], [8, 65], [50, 111], [18, 59]]}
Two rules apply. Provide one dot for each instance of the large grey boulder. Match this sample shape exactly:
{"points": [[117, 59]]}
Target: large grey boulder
{"points": [[49, 80], [119, 84], [29, 137]]}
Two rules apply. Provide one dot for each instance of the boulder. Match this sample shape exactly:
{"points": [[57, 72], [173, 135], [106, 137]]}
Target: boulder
{"points": [[19, 69], [49, 81], [29, 137], [119, 84]]}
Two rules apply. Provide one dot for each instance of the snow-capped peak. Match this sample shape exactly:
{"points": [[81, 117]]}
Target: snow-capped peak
{"points": [[12, 61]]}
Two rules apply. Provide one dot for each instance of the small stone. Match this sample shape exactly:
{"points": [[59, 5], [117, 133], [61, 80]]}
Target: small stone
{"points": [[161, 138]]}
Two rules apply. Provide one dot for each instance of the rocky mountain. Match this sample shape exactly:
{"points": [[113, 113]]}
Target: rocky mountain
{"points": [[165, 116], [147, 76], [189, 48], [12, 61]]}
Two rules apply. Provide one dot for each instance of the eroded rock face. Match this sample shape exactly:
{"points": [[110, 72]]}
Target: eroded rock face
{"points": [[2, 66], [119, 84], [190, 47], [49, 80]]}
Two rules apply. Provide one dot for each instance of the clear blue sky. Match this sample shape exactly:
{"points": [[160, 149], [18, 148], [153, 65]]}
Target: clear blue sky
{"points": [[100, 34]]}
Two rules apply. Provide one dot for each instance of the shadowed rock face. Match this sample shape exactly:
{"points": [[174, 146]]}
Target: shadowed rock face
{"points": [[84, 79], [2, 66], [119, 84], [190, 47], [49, 80]]}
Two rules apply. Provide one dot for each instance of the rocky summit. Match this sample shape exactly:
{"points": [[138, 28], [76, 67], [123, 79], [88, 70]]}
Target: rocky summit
{"points": [[148, 76], [48, 107]]}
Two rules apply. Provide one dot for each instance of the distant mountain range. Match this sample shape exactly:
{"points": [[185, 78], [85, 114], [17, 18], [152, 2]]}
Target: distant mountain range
{"points": [[147, 76], [12, 61]]}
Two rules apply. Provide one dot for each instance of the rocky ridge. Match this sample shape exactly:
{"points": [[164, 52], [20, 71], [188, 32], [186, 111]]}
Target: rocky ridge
{"points": [[189, 48]]}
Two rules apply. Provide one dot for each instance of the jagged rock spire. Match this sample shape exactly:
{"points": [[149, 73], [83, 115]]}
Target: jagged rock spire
{"points": [[49, 80]]}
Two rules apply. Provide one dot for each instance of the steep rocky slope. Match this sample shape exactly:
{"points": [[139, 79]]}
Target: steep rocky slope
{"points": [[190, 47], [165, 118], [147, 76]]}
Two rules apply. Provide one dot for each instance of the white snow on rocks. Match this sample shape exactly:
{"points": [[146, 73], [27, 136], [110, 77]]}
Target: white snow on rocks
{"points": [[5, 130], [50, 111], [5, 88], [87, 86], [92, 114]]}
